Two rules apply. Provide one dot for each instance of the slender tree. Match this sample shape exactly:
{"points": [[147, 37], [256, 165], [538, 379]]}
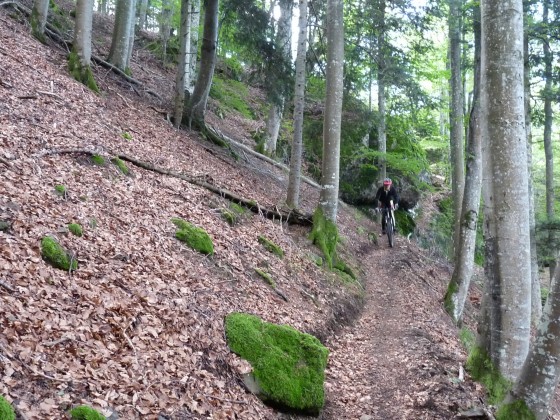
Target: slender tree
{"points": [[299, 102], [142, 13], [190, 77], [165, 25], [503, 123], [79, 63], [381, 72], [39, 15], [184, 55], [328, 200], [464, 255], [120, 44]]}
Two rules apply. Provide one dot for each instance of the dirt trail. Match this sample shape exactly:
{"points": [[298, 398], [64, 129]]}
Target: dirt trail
{"points": [[401, 359]]}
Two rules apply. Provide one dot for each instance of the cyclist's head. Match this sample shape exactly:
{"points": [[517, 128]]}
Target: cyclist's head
{"points": [[387, 182]]}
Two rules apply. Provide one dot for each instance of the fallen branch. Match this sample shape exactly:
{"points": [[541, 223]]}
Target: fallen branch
{"points": [[7, 287]]}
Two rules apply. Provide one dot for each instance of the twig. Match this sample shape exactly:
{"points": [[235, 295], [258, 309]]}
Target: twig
{"points": [[7, 287], [50, 94], [56, 342], [226, 399], [130, 344]]}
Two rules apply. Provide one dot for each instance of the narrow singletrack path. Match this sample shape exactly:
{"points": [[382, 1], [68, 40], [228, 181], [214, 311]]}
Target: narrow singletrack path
{"points": [[401, 359]]}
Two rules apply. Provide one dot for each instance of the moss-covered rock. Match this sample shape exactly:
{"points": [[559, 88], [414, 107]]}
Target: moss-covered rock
{"points": [[56, 255], [193, 236], [84, 412], [271, 246], [288, 366], [266, 277], [325, 235], [75, 229], [6, 410]]}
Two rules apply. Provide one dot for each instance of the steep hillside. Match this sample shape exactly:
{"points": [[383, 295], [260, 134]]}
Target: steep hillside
{"points": [[136, 330]]}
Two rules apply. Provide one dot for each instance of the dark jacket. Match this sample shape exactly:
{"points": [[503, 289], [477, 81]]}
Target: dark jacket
{"points": [[385, 197]]}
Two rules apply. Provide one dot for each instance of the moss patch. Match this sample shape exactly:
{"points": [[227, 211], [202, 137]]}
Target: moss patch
{"points": [[76, 229], [82, 73], [325, 235], [98, 160], [484, 371], [84, 412], [193, 236], [448, 303], [271, 246], [343, 267], [233, 214], [56, 255], [517, 410], [60, 190], [266, 277], [287, 365], [119, 163], [6, 410]]}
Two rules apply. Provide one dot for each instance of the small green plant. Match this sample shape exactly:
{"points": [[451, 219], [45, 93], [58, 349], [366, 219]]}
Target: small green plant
{"points": [[6, 410], [544, 295], [484, 371], [467, 339], [76, 229], [126, 136], [325, 235], [119, 163], [56, 255], [233, 213], [266, 277], [193, 236], [84, 412], [287, 365], [60, 190], [98, 160], [271, 246], [517, 410]]}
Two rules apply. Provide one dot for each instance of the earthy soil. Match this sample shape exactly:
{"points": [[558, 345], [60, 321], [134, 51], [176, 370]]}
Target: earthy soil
{"points": [[137, 330]]}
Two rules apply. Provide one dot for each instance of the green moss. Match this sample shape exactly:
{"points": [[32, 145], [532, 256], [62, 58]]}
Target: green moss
{"points": [[193, 236], [448, 303], [6, 410], [82, 73], [60, 190], [544, 295], [84, 412], [76, 229], [266, 277], [325, 235], [467, 339], [231, 95], [484, 371], [233, 213], [287, 365], [517, 410], [126, 136], [119, 163], [343, 267], [271, 246], [56, 255], [98, 160]]}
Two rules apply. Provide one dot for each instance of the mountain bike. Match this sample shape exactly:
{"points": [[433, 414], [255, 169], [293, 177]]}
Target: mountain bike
{"points": [[389, 222]]}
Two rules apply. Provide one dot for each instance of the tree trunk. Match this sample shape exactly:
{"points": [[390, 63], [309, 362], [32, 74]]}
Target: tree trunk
{"points": [[131, 34], [503, 121], [82, 31], [39, 16], [183, 65], [456, 114], [118, 55], [165, 25], [381, 126], [196, 107], [458, 288], [299, 102], [142, 13], [195, 22], [328, 200]]}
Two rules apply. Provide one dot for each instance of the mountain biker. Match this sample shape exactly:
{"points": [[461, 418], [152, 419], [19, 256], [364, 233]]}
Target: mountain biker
{"points": [[387, 197]]}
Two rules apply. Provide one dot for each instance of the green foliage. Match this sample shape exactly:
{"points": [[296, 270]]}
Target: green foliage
{"points": [[344, 268], [125, 135], [325, 235], [544, 295], [288, 365], [448, 303], [233, 213], [193, 236], [271, 246], [405, 222], [231, 95], [548, 240], [517, 410], [60, 190], [266, 277], [467, 339], [82, 73], [119, 163], [484, 371], [56, 255], [76, 229], [98, 160], [6, 410], [84, 412]]}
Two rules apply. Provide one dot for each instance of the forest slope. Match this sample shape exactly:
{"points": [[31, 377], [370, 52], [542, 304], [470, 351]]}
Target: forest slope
{"points": [[137, 329]]}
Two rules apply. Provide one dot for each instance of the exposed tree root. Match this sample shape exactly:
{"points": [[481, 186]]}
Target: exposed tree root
{"points": [[290, 217]]}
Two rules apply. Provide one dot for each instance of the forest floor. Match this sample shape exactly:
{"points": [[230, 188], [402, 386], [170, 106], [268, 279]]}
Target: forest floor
{"points": [[137, 330]]}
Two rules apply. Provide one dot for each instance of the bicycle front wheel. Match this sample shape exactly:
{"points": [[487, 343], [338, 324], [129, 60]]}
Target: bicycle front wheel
{"points": [[390, 231]]}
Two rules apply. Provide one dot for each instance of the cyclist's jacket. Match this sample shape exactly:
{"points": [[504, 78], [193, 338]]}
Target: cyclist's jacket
{"points": [[385, 197]]}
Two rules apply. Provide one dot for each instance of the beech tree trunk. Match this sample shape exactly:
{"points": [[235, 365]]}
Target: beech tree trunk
{"points": [[124, 19], [503, 122], [381, 126], [464, 256], [39, 16], [165, 25], [183, 65], [328, 200], [192, 60], [142, 13], [196, 108], [299, 102], [82, 31]]}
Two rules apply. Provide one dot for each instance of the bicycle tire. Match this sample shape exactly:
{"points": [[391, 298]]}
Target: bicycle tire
{"points": [[390, 231]]}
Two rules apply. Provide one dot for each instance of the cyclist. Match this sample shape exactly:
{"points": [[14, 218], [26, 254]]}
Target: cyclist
{"points": [[387, 197]]}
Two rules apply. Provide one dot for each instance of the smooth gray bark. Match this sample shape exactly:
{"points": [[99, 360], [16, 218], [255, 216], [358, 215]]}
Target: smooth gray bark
{"points": [[182, 66], [294, 181], [193, 50], [503, 121], [328, 200], [124, 18], [131, 34], [82, 31], [165, 25], [464, 257], [39, 15], [142, 13]]}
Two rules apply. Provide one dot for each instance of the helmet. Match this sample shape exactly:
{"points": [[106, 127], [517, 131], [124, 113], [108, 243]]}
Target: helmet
{"points": [[387, 181]]}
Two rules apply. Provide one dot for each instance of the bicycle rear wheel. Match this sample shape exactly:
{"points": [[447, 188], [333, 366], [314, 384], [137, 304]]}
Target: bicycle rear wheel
{"points": [[390, 231]]}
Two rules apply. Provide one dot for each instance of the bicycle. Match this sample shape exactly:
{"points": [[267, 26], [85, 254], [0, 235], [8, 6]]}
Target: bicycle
{"points": [[389, 222]]}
